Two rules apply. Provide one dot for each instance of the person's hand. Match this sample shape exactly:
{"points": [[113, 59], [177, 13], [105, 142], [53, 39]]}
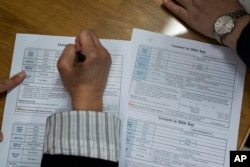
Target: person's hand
{"points": [[9, 84], [86, 80], [201, 14], [1, 136], [12, 82]]}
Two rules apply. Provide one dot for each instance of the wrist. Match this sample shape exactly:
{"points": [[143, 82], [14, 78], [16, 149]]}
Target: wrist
{"points": [[231, 39], [87, 103]]}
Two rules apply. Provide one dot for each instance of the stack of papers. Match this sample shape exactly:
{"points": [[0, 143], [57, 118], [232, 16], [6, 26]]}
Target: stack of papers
{"points": [[179, 100]]}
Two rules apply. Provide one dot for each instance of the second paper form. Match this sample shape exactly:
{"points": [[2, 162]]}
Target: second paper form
{"points": [[184, 103]]}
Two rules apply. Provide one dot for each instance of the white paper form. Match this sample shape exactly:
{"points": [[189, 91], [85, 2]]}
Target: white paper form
{"points": [[42, 93], [184, 103]]}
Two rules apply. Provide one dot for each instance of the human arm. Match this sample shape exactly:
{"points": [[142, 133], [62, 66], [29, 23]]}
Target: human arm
{"points": [[9, 84], [86, 134], [201, 15]]}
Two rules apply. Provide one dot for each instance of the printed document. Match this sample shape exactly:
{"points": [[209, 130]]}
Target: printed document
{"points": [[180, 100], [184, 103], [42, 94]]}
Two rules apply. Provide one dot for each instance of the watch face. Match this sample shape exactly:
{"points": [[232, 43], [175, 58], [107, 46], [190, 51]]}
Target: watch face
{"points": [[224, 25]]}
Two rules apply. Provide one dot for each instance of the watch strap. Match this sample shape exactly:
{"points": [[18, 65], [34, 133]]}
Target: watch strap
{"points": [[237, 14]]}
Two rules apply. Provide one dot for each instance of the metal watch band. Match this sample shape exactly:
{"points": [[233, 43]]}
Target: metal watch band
{"points": [[237, 14]]}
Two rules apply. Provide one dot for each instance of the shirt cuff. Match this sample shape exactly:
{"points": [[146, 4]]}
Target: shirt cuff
{"points": [[83, 133]]}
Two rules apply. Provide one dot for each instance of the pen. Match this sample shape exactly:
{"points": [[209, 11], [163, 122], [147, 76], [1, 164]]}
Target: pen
{"points": [[80, 57]]}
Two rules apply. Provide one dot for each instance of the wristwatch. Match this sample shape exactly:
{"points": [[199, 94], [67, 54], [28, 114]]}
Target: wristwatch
{"points": [[225, 24]]}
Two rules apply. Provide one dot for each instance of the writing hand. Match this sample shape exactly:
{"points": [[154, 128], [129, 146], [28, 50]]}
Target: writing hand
{"points": [[86, 80]]}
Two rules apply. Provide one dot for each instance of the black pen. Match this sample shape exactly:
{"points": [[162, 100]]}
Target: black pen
{"points": [[80, 57]]}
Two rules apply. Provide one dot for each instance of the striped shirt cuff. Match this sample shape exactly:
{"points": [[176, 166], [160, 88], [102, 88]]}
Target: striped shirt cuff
{"points": [[83, 133]]}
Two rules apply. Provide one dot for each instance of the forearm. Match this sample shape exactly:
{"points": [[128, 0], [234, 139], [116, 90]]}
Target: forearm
{"points": [[87, 102]]}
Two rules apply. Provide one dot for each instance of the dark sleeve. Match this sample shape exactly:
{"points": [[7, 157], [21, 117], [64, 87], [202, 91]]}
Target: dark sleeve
{"points": [[74, 161], [243, 45]]}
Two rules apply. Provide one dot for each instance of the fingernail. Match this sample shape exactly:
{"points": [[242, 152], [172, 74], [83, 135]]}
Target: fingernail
{"points": [[165, 1], [21, 74]]}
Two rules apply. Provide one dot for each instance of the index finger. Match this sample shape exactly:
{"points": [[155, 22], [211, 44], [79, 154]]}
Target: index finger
{"points": [[87, 41], [12, 82]]}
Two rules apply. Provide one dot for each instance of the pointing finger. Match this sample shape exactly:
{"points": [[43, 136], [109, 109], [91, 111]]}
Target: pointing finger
{"points": [[12, 82]]}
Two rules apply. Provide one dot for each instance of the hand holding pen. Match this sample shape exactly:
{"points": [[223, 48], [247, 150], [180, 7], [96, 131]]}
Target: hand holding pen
{"points": [[84, 69], [80, 57]]}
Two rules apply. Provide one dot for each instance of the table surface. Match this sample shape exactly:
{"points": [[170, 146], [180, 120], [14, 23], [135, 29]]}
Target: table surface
{"points": [[111, 19]]}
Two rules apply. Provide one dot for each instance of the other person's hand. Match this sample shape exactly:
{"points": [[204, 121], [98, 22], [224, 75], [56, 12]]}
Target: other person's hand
{"points": [[9, 84], [1, 136], [12, 82], [201, 15]]}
